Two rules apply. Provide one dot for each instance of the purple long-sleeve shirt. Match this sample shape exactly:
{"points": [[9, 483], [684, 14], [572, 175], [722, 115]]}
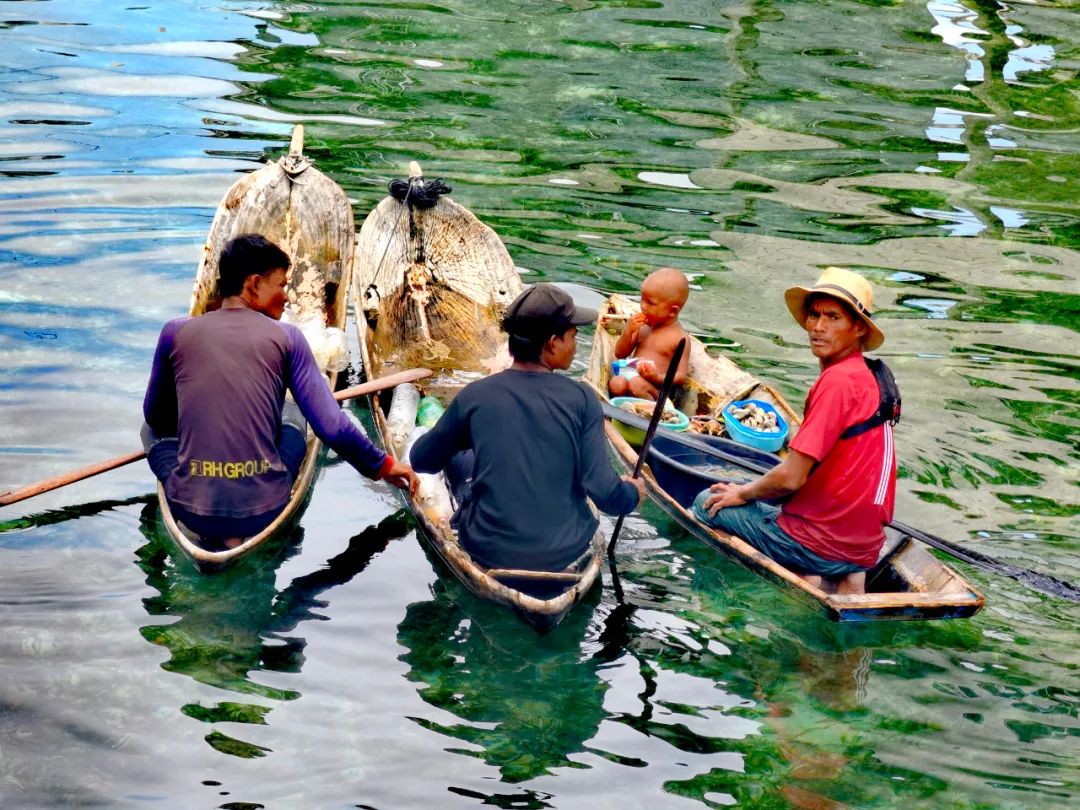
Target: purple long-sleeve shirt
{"points": [[218, 384]]}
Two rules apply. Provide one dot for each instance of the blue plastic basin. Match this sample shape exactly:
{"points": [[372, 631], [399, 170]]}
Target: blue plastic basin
{"points": [[752, 437]]}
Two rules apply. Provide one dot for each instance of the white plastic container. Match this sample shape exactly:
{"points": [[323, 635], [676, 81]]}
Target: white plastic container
{"points": [[433, 495], [401, 418]]}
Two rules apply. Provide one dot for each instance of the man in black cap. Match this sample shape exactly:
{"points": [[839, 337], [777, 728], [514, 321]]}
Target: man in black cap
{"points": [[536, 440]]}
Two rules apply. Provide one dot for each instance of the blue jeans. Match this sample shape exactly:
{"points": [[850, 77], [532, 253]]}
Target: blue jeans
{"points": [[755, 523]]}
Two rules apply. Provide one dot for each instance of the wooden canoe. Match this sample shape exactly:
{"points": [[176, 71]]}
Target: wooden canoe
{"points": [[431, 285], [308, 215], [907, 583]]}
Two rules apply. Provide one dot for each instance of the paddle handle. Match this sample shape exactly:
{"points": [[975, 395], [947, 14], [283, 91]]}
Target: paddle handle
{"points": [[58, 481], [382, 383], [661, 401], [654, 423], [614, 539]]}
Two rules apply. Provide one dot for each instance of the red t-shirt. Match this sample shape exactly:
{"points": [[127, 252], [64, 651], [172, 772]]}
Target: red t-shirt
{"points": [[840, 510]]}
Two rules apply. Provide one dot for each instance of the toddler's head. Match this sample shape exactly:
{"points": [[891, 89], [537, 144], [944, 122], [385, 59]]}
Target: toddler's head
{"points": [[663, 295]]}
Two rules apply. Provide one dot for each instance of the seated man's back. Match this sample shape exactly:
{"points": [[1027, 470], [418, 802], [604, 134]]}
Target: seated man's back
{"points": [[536, 461], [214, 433], [534, 444], [230, 369]]}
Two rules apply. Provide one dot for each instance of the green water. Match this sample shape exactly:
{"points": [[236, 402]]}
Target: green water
{"points": [[934, 147]]}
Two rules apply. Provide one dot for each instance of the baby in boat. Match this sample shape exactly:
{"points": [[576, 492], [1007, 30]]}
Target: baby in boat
{"points": [[650, 338]]}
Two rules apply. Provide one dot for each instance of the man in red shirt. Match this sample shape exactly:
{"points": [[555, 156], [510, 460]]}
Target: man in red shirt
{"points": [[839, 478]]}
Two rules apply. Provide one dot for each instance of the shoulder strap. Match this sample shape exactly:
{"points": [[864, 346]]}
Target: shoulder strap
{"points": [[888, 409]]}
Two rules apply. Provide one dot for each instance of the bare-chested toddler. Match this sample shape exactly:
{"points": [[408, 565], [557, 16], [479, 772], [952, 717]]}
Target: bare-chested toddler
{"points": [[652, 335]]}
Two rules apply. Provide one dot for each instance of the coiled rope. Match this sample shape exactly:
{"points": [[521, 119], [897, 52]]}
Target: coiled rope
{"points": [[421, 194]]}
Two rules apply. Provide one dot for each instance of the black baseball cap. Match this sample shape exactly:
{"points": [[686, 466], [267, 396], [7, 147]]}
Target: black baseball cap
{"points": [[544, 310]]}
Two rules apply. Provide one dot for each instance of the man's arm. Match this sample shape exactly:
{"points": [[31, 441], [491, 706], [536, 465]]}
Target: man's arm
{"points": [[828, 413], [327, 419], [611, 494], [160, 407], [433, 451]]}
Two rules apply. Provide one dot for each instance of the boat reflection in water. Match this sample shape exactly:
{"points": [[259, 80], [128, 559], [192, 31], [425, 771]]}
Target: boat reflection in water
{"points": [[236, 622], [527, 703]]}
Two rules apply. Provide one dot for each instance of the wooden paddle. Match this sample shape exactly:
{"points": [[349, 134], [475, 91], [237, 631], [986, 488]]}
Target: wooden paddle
{"points": [[49, 484], [1049, 585], [654, 423]]}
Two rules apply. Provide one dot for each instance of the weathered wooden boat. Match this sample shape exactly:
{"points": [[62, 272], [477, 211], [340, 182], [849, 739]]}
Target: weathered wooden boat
{"points": [[431, 285], [908, 582], [309, 216]]}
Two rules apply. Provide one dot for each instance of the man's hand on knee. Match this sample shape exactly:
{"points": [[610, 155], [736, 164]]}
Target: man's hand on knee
{"points": [[722, 495]]}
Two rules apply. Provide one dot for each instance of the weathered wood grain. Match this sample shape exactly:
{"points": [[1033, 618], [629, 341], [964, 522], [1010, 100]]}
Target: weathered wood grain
{"points": [[433, 285], [306, 214]]}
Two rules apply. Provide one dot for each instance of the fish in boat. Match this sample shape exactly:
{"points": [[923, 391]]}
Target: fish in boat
{"points": [[431, 285], [307, 215], [908, 582]]}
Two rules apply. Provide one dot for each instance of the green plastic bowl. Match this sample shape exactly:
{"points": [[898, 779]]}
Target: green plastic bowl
{"points": [[636, 436]]}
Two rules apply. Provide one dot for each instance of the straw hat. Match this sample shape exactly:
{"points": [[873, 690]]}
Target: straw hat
{"points": [[851, 288]]}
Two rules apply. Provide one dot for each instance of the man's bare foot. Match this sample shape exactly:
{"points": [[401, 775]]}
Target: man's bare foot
{"points": [[852, 585], [232, 542]]}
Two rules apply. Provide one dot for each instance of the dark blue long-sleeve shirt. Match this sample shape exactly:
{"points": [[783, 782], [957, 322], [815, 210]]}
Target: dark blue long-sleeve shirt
{"points": [[218, 384], [540, 450]]}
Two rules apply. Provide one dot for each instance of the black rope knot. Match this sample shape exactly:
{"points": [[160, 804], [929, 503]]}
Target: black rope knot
{"points": [[418, 192]]}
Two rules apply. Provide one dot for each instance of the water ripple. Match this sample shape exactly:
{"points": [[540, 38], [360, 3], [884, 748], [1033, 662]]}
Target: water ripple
{"points": [[930, 146]]}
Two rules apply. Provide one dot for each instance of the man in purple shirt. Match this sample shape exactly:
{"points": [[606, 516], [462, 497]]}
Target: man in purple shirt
{"points": [[219, 433]]}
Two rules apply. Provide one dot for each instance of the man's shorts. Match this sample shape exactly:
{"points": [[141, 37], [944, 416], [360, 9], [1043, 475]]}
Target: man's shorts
{"points": [[756, 523]]}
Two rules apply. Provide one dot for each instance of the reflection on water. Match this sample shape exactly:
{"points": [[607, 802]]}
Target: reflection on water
{"points": [[931, 146], [528, 704], [238, 622], [223, 624]]}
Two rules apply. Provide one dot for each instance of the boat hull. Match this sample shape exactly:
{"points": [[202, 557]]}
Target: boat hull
{"points": [[461, 349], [912, 584], [309, 216]]}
